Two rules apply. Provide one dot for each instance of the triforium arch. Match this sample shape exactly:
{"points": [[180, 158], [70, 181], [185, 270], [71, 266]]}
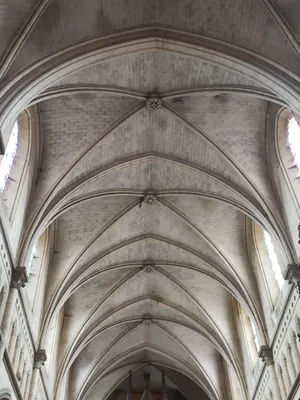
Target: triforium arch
{"points": [[154, 161]]}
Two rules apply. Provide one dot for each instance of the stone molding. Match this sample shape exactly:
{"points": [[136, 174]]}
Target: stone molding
{"points": [[19, 278], [266, 354], [40, 358]]}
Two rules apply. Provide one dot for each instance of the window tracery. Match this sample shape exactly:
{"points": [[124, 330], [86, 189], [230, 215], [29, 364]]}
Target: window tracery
{"points": [[273, 258], [9, 157]]}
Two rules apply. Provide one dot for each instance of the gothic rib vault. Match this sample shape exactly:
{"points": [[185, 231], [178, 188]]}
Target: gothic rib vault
{"points": [[153, 159]]}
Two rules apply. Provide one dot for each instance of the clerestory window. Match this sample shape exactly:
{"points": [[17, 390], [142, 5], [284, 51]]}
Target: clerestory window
{"points": [[274, 260], [32, 256], [9, 157], [294, 139], [254, 334]]}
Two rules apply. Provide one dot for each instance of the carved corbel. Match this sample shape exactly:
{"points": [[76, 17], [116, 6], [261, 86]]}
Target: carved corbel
{"points": [[40, 358], [292, 275], [19, 278], [266, 355]]}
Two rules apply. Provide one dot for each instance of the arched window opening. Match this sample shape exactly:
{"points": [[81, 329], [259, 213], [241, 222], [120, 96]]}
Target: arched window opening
{"points": [[18, 173], [294, 139], [35, 268], [249, 340], [284, 157], [267, 257], [51, 342], [254, 333], [9, 157], [273, 259], [31, 259], [37, 262]]}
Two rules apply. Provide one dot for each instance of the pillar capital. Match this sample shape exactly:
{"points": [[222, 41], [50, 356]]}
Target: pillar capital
{"points": [[266, 354], [19, 278], [40, 358]]}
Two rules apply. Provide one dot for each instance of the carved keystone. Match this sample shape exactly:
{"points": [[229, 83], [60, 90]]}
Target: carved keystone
{"points": [[154, 103], [147, 321], [149, 199], [40, 358], [292, 273], [148, 268], [266, 354], [19, 278]]}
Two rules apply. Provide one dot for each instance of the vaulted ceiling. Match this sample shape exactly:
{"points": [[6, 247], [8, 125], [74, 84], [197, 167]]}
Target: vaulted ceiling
{"points": [[153, 158]]}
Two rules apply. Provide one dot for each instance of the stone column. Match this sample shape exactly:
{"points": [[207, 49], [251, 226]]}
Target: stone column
{"points": [[19, 279], [24, 379], [295, 351], [266, 354], [39, 360], [27, 385], [286, 375], [291, 362], [19, 367], [281, 383], [274, 382], [16, 356], [12, 342]]}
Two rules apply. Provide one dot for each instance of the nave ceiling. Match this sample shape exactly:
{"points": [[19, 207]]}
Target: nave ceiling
{"points": [[150, 209]]}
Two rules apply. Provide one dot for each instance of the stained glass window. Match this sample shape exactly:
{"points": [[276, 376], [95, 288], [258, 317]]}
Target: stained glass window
{"points": [[274, 260], [294, 139], [32, 256], [9, 157], [255, 339]]}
